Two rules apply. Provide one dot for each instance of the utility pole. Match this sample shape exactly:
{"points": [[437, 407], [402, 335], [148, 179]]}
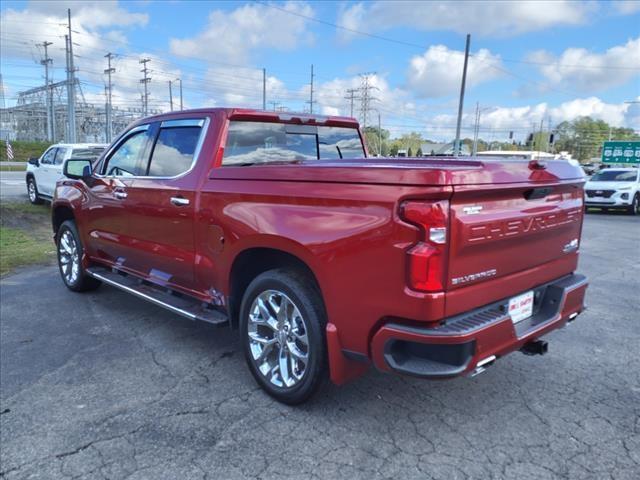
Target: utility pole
{"points": [[476, 130], [109, 70], [456, 145], [264, 89], [351, 96], [540, 137], [180, 80], [145, 82], [71, 84], [170, 97], [274, 104], [311, 101], [379, 136], [46, 61]]}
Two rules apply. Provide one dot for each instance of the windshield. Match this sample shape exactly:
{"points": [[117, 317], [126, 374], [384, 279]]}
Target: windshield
{"points": [[90, 153], [615, 176], [250, 143]]}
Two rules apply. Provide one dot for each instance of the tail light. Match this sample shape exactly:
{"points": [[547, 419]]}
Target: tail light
{"points": [[426, 259]]}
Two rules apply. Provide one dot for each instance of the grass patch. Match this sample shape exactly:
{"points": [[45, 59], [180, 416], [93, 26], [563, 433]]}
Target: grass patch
{"points": [[17, 249], [25, 235], [23, 151]]}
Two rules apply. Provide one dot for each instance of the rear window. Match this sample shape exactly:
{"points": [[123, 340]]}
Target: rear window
{"points": [[173, 151], [250, 143]]}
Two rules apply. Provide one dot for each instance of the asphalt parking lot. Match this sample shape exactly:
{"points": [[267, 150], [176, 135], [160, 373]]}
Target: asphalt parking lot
{"points": [[103, 385]]}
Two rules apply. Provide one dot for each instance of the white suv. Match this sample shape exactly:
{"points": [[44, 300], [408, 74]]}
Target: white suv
{"points": [[614, 188], [44, 172]]}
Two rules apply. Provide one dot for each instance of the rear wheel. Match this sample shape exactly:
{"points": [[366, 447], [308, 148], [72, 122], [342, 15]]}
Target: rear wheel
{"points": [[70, 253], [282, 324], [32, 191]]}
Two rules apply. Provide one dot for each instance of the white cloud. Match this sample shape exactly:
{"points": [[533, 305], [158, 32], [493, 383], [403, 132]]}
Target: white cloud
{"points": [[498, 121], [438, 72], [490, 18], [586, 71], [231, 36], [626, 7]]}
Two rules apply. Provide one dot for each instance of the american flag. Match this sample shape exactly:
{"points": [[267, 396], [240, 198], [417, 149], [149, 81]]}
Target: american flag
{"points": [[9, 150]]}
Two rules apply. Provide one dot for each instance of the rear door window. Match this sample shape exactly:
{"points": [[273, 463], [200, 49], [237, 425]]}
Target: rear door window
{"points": [[250, 143], [174, 150], [60, 156]]}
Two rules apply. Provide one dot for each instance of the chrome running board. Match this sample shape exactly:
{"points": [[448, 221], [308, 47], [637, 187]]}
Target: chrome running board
{"points": [[184, 305]]}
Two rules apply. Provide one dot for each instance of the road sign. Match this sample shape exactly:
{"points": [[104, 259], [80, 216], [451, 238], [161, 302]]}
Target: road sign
{"points": [[621, 152]]}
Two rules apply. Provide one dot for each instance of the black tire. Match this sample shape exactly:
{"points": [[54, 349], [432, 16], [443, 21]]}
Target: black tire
{"points": [[634, 209], [80, 281], [32, 192], [303, 294]]}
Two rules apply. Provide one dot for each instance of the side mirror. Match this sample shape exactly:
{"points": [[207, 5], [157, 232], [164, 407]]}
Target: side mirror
{"points": [[34, 161], [77, 169]]}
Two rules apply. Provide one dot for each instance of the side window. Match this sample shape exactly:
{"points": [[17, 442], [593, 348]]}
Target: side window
{"points": [[49, 157], [173, 151], [60, 156], [125, 161]]}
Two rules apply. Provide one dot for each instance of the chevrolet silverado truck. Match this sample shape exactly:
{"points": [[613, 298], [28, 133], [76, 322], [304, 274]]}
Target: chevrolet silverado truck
{"points": [[324, 260]]}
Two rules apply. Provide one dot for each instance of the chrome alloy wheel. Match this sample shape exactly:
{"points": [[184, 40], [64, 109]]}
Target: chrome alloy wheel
{"points": [[68, 257], [31, 189], [278, 339]]}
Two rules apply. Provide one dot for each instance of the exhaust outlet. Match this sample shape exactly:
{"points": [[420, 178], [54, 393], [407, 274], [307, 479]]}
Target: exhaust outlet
{"points": [[482, 365], [535, 347]]}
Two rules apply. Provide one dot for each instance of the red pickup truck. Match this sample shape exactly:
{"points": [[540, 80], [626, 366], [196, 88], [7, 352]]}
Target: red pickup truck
{"points": [[325, 260]]}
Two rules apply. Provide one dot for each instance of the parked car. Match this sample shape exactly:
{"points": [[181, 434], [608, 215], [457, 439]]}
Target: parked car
{"points": [[44, 172], [589, 168], [614, 188], [326, 261]]}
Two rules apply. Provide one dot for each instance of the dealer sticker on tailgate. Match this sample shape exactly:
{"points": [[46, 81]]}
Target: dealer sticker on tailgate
{"points": [[521, 307]]}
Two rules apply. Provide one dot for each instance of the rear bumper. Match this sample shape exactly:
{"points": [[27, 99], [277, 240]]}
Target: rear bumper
{"points": [[461, 342]]}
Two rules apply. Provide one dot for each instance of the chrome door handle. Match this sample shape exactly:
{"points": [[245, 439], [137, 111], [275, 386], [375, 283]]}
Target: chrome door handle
{"points": [[120, 194], [180, 201]]}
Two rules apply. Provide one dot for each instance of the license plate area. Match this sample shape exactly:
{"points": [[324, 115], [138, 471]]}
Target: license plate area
{"points": [[521, 307]]}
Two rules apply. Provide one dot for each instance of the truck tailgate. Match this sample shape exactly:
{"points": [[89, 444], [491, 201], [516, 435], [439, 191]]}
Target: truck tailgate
{"points": [[501, 229]]}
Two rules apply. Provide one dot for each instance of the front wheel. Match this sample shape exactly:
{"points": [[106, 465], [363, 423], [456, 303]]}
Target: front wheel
{"points": [[282, 325], [32, 191], [634, 209], [70, 253]]}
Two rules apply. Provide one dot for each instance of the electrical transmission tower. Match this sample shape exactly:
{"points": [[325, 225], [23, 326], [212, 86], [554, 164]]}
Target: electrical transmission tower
{"points": [[109, 122], [145, 82], [46, 61], [365, 96]]}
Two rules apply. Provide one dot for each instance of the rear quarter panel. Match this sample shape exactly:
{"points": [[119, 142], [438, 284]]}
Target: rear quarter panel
{"points": [[348, 234]]}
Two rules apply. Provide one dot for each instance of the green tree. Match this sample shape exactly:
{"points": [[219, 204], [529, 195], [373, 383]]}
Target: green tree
{"points": [[372, 138], [419, 152], [584, 136], [409, 152]]}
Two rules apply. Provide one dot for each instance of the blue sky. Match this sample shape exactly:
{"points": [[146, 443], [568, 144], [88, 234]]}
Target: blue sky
{"points": [[530, 60]]}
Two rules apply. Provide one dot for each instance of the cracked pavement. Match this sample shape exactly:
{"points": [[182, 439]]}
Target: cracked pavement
{"points": [[106, 386]]}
